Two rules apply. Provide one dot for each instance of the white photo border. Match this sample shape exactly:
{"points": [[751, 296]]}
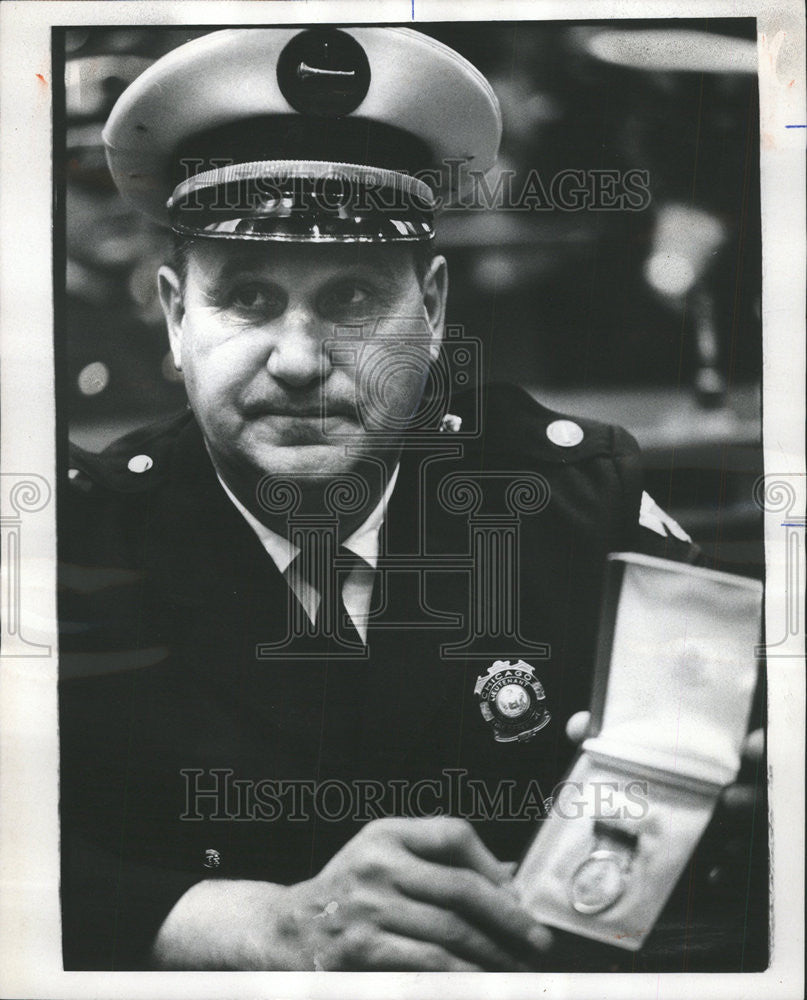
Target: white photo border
{"points": [[30, 936]]}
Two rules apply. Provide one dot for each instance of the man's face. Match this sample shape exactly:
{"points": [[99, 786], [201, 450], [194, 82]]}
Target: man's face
{"points": [[285, 362]]}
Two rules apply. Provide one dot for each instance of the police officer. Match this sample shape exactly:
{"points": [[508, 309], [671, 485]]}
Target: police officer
{"points": [[231, 622]]}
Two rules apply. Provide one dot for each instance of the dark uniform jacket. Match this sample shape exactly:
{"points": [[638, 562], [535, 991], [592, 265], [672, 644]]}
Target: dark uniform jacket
{"points": [[167, 598]]}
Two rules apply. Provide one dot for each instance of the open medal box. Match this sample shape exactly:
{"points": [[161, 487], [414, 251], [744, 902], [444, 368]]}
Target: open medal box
{"points": [[674, 679]]}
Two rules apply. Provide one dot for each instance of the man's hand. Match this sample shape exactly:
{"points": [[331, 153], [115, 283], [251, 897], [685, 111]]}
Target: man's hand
{"points": [[403, 894]]}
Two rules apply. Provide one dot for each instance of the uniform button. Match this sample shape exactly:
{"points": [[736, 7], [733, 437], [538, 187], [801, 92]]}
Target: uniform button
{"points": [[212, 859], [79, 480], [565, 433], [140, 463]]}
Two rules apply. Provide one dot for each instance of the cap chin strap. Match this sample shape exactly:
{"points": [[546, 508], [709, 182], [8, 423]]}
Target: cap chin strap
{"points": [[304, 201], [315, 170]]}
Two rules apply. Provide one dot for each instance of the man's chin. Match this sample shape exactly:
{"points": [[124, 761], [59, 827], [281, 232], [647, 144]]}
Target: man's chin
{"points": [[303, 459]]}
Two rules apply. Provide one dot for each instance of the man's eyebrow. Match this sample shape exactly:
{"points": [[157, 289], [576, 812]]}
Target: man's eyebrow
{"points": [[244, 259], [384, 265], [380, 264], [235, 262]]}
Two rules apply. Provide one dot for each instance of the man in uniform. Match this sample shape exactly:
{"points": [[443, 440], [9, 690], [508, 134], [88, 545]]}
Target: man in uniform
{"points": [[281, 610]]}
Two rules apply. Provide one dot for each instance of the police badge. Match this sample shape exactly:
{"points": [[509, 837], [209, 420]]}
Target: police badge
{"points": [[512, 701]]}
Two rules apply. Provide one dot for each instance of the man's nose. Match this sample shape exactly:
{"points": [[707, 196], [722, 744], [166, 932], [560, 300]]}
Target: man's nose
{"points": [[299, 354]]}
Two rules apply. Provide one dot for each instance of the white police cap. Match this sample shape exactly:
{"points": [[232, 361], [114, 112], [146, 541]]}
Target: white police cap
{"points": [[327, 134]]}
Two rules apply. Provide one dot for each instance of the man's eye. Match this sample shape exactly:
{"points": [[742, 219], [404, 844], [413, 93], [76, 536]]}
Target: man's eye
{"points": [[255, 298], [352, 295], [348, 296]]}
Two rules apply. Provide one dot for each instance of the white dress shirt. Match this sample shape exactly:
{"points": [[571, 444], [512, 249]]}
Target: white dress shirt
{"points": [[357, 590]]}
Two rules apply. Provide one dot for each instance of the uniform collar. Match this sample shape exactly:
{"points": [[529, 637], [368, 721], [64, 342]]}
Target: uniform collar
{"points": [[363, 542]]}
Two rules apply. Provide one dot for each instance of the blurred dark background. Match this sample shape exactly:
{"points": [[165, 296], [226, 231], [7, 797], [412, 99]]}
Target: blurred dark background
{"points": [[648, 318]]}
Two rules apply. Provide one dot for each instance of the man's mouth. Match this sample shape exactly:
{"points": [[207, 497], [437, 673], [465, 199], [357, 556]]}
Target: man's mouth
{"points": [[322, 412]]}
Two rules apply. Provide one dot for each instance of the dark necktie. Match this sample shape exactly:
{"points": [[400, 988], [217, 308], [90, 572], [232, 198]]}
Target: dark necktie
{"points": [[327, 572]]}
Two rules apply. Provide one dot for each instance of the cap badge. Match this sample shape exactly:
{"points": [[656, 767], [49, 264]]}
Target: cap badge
{"points": [[512, 700], [323, 72]]}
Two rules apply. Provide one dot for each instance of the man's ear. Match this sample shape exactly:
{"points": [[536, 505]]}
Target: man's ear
{"points": [[435, 291], [170, 289]]}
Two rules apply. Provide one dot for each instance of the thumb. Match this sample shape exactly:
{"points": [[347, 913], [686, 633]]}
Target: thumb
{"points": [[577, 726]]}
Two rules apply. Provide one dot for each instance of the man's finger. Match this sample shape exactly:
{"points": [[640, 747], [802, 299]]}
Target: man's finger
{"points": [[754, 746], [495, 910], [426, 922], [385, 952], [454, 843], [577, 726], [740, 796]]}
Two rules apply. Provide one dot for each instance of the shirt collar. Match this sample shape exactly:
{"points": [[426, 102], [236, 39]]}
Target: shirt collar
{"points": [[363, 542]]}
